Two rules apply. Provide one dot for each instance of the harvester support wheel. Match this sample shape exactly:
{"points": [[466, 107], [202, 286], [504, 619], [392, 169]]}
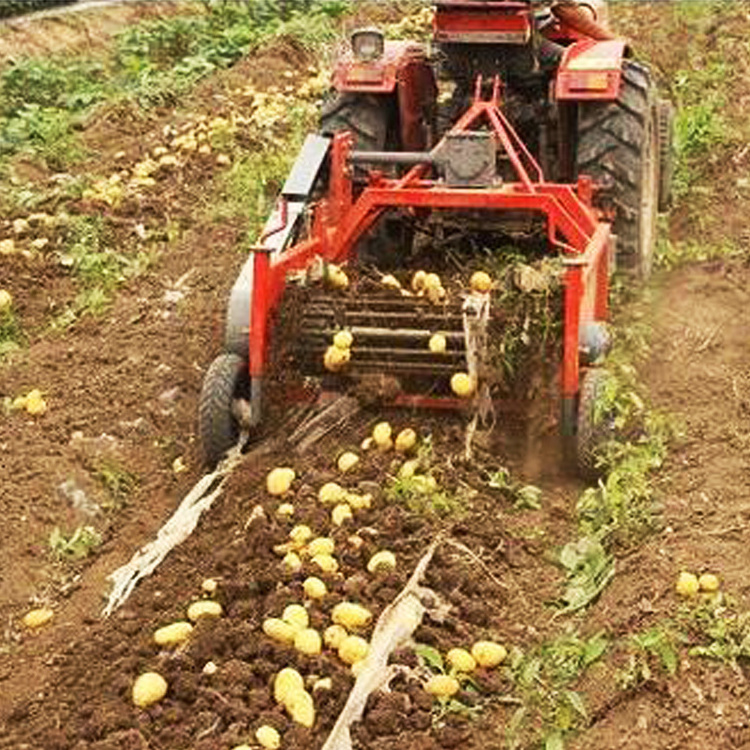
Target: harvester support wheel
{"points": [[618, 146], [595, 423], [226, 379], [666, 154]]}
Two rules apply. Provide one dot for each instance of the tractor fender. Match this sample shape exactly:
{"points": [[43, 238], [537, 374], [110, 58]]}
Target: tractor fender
{"points": [[591, 71], [379, 76]]}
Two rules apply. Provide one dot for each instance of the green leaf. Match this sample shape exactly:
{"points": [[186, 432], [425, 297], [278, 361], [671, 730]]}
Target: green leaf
{"points": [[594, 649], [554, 741], [429, 656], [576, 701]]}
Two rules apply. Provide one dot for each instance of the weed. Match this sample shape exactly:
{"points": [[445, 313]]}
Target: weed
{"points": [[523, 496], [588, 570], [11, 334], [421, 494], [721, 631], [82, 542], [654, 648], [119, 482], [543, 680]]}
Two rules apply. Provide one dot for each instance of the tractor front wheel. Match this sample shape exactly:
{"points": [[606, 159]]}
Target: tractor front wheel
{"points": [[619, 147], [226, 380]]}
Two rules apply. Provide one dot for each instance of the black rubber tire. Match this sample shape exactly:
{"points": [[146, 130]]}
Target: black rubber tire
{"points": [[594, 429], [365, 116], [225, 380], [666, 154], [618, 146]]}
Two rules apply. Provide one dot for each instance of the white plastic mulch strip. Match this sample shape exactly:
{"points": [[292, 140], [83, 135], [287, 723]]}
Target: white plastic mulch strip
{"points": [[178, 528]]}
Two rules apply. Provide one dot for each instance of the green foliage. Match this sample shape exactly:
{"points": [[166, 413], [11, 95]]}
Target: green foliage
{"points": [[656, 648], [421, 494], [11, 334], [718, 630], [523, 496], [118, 481], [588, 570], [543, 679], [83, 541]]}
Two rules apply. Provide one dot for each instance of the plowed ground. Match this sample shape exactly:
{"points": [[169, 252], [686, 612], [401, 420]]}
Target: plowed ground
{"points": [[134, 375]]}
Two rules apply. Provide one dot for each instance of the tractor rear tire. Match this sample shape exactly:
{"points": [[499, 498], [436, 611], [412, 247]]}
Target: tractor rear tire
{"points": [[595, 428], [225, 380], [365, 116], [618, 146]]}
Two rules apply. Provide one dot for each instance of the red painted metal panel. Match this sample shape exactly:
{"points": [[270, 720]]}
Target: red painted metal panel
{"points": [[590, 71]]}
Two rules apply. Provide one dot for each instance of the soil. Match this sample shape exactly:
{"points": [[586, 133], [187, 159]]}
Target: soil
{"points": [[121, 392]]}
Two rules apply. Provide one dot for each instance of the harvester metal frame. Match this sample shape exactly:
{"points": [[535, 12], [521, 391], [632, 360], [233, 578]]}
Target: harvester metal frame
{"points": [[573, 225]]}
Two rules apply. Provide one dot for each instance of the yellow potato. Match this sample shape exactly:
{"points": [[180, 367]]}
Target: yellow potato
{"points": [[204, 608], [347, 461], [442, 686], [408, 469], [480, 282], [353, 649], [687, 584], [296, 616], [406, 440], [418, 281], [336, 359], [463, 385], [279, 480], [291, 562], [381, 434], [438, 343], [709, 582], [343, 339], [288, 680], [314, 588], [301, 708], [461, 660], [148, 688], [268, 737], [37, 617], [488, 653], [285, 509], [174, 634], [358, 502], [331, 493], [351, 615], [334, 635], [341, 513], [307, 641], [383, 560], [391, 282], [300, 534], [432, 281], [279, 630], [322, 545], [6, 300], [209, 585], [327, 563]]}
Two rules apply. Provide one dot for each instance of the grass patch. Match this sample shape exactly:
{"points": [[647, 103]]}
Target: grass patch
{"points": [[11, 333], [118, 481]]}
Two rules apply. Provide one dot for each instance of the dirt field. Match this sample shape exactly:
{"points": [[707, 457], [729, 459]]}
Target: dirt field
{"points": [[121, 392]]}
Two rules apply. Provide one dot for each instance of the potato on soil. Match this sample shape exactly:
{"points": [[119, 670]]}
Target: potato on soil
{"points": [[480, 282], [347, 461], [296, 616], [437, 343], [314, 588], [383, 560], [6, 300], [353, 649], [322, 545], [174, 634], [307, 641], [343, 339], [461, 660], [204, 608], [148, 688], [687, 584], [381, 434], [442, 686], [268, 737], [334, 635], [278, 630], [351, 615], [37, 617], [463, 385], [279, 480], [341, 513], [709, 582], [406, 440], [301, 708], [488, 653], [331, 493], [300, 534], [288, 680], [292, 562], [336, 359], [326, 563]]}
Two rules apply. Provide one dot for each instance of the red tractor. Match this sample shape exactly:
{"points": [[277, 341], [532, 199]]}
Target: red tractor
{"points": [[524, 119]]}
